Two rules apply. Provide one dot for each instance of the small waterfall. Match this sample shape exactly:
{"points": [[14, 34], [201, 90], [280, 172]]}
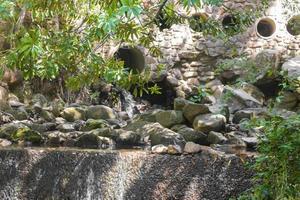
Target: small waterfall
{"points": [[128, 103]]}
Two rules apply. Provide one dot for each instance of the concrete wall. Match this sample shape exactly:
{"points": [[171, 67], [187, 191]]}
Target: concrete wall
{"points": [[90, 175]]}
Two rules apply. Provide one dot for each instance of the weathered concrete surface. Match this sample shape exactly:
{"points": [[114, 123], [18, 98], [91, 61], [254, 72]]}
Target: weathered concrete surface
{"points": [[74, 174]]}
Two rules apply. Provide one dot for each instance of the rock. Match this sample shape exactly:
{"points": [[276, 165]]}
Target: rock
{"points": [[229, 76], [190, 135], [216, 138], [126, 138], [89, 140], [94, 124], [288, 101], [4, 99], [13, 78], [57, 106], [159, 149], [179, 103], [19, 113], [234, 138], [191, 147], [248, 113], [174, 149], [8, 130], [100, 112], [160, 135], [6, 118], [209, 122], [103, 132], [238, 99], [149, 116], [191, 110], [292, 67], [67, 127], [47, 115], [251, 142], [39, 100], [254, 92], [41, 128], [169, 118], [27, 135], [72, 114], [5, 143]]}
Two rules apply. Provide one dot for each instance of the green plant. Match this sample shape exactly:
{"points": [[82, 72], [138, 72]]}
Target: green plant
{"points": [[203, 92], [278, 165]]}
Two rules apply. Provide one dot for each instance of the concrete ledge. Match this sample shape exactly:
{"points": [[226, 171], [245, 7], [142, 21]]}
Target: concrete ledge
{"points": [[75, 174]]}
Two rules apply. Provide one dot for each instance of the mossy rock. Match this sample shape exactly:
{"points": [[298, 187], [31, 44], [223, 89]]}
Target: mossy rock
{"points": [[92, 124], [28, 135], [7, 130]]}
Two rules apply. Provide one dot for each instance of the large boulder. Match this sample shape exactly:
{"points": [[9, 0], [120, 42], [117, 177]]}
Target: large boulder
{"points": [[126, 138], [89, 140], [169, 118], [238, 99], [209, 122], [160, 135], [72, 114], [100, 112], [292, 67], [191, 110]]}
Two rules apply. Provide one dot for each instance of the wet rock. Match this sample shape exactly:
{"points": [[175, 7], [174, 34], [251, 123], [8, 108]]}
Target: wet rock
{"points": [[169, 118], [67, 127], [94, 124], [89, 140], [159, 149], [190, 135], [72, 114], [100, 112], [209, 122], [5, 143], [216, 138], [191, 110], [191, 147]]}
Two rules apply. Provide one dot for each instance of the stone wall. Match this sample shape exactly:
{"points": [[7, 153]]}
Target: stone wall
{"points": [[190, 57], [73, 174]]}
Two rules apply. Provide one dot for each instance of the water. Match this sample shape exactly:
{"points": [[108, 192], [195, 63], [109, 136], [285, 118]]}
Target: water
{"points": [[128, 103]]}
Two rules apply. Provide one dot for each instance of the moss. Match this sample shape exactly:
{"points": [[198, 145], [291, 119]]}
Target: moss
{"points": [[28, 135], [92, 124]]}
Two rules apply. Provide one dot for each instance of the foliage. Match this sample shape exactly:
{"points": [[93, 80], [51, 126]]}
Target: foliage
{"points": [[203, 92], [61, 38], [277, 166]]}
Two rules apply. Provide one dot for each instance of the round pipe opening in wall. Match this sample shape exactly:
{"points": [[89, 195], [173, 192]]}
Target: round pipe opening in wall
{"points": [[132, 57], [265, 27], [293, 25], [197, 21]]}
